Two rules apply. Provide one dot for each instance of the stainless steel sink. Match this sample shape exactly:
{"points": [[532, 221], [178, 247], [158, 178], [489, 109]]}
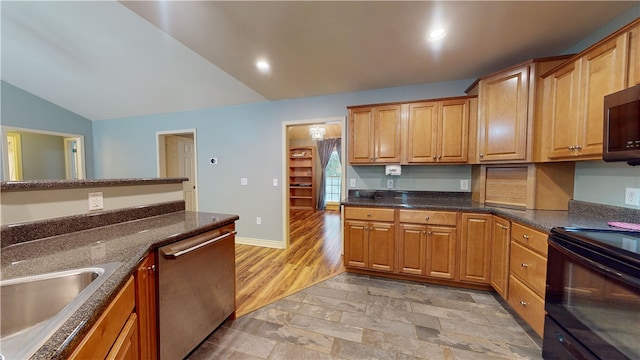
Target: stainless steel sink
{"points": [[33, 308]]}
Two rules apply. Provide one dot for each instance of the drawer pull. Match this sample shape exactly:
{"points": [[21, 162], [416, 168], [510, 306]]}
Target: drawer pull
{"points": [[369, 214], [424, 232], [525, 236], [426, 218], [502, 227], [524, 265], [430, 232], [523, 303]]}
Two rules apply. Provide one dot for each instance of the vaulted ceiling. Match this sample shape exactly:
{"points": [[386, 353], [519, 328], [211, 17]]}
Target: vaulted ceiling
{"points": [[108, 59]]}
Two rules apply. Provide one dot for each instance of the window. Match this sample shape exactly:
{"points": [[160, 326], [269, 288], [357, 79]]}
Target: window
{"points": [[333, 178]]}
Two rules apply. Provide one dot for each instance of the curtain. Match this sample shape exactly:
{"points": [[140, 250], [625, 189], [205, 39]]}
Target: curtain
{"points": [[325, 148]]}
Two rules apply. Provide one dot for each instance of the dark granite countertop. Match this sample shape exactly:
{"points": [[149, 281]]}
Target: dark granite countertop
{"points": [[54, 184], [580, 214], [125, 243]]}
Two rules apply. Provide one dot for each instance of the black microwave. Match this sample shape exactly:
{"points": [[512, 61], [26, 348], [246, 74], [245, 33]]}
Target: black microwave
{"points": [[622, 126]]}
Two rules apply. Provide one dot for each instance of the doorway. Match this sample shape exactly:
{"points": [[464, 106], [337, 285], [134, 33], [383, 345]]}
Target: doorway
{"points": [[297, 134], [177, 158]]}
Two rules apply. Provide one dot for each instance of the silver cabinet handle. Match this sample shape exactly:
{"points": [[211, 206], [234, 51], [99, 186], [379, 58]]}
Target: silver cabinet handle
{"points": [[523, 303], [172, 253], [426, 218], [524, 265], [578, 147], [439, 156], [502, 227], [481, 154], [571, 148], [525, 236], [434, 156]]}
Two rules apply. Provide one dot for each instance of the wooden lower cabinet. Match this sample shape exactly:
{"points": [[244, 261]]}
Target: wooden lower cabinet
{"points": [[146, 307], [528, 274], [108, 330], [501, 235], [127, 328], [527, 304], [441, 252], [369, 238], [475, 248], [412, 250]]}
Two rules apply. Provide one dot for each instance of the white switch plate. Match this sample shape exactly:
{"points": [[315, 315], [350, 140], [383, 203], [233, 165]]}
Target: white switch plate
{"points": [[464, 184], [352, 183], [96, 201], [390, 184], [275, 182], [632, 196], [258, 220], [244, 181]]}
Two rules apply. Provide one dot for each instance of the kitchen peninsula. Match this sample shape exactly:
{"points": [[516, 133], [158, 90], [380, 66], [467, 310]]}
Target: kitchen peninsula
{"points": [[128, 236]]}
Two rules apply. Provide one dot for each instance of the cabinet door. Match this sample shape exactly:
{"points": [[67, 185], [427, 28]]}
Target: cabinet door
{"points": [[422, 133], [453, 131], [381, 246], [412, 249], [361, 136], [562, 95], [603, 71], [441, 252], [634, 56], [126, 345], [502, 123], [146, 307], [387, 134], [475, 248], [501, 236], [356, 251]]}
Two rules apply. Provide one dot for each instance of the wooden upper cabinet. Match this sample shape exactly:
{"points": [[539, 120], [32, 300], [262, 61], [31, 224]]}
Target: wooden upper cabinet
{"points": [[574, 94], [634, 56], [387, 134], [503, 113], [360, 135], [437, 132], [374, 134], [421, 133]]}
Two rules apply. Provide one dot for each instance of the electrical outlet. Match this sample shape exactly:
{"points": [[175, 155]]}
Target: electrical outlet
{"points": [[464, 184], [632, 196], [275, 182], [244, 181], [96, 201], [390, 184], [352, 183], [258, 220]]}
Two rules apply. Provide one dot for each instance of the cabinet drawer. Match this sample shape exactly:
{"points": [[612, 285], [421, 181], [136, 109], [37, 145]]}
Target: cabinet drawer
{"points": [[358, 213], [106, 330], [527, 304], [428, 217], [529, 267], [532, 239]]}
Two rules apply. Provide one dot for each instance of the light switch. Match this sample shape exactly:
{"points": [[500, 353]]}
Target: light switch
{"points": [[275, 182], [244, 181], [352, 183]]}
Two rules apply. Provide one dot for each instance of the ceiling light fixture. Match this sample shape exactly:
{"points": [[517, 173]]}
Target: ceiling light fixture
{"points": [[317, 132], [263, 65], [437, 34]]}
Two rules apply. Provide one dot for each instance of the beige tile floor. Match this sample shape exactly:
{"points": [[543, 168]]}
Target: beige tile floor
{"points": [[360, 317]]}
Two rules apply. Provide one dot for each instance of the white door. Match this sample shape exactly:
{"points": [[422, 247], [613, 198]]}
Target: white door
{"points": [[178, 160]]}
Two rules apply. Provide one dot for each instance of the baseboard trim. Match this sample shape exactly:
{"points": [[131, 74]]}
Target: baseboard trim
{"points": [[260, 242]]}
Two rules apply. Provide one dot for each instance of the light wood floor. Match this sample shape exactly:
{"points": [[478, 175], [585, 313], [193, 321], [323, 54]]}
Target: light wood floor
{"points": [[264, 275]]}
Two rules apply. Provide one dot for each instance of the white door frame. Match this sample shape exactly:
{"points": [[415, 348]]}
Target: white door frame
{"points": [[160, 154], [285, 166]]}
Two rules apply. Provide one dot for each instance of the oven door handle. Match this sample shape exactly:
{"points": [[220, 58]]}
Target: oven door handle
{"points": [[180, 248]]}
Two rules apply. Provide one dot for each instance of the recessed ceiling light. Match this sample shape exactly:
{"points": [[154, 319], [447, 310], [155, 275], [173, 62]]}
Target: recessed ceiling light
{"points": [[263, 65], [437, 34]]}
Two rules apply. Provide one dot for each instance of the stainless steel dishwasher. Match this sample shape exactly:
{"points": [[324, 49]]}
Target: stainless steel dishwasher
{"points": [[196, 288]]}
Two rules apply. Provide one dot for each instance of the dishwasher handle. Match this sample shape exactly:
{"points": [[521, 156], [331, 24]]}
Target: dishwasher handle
{"points": [[183, 247]]}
